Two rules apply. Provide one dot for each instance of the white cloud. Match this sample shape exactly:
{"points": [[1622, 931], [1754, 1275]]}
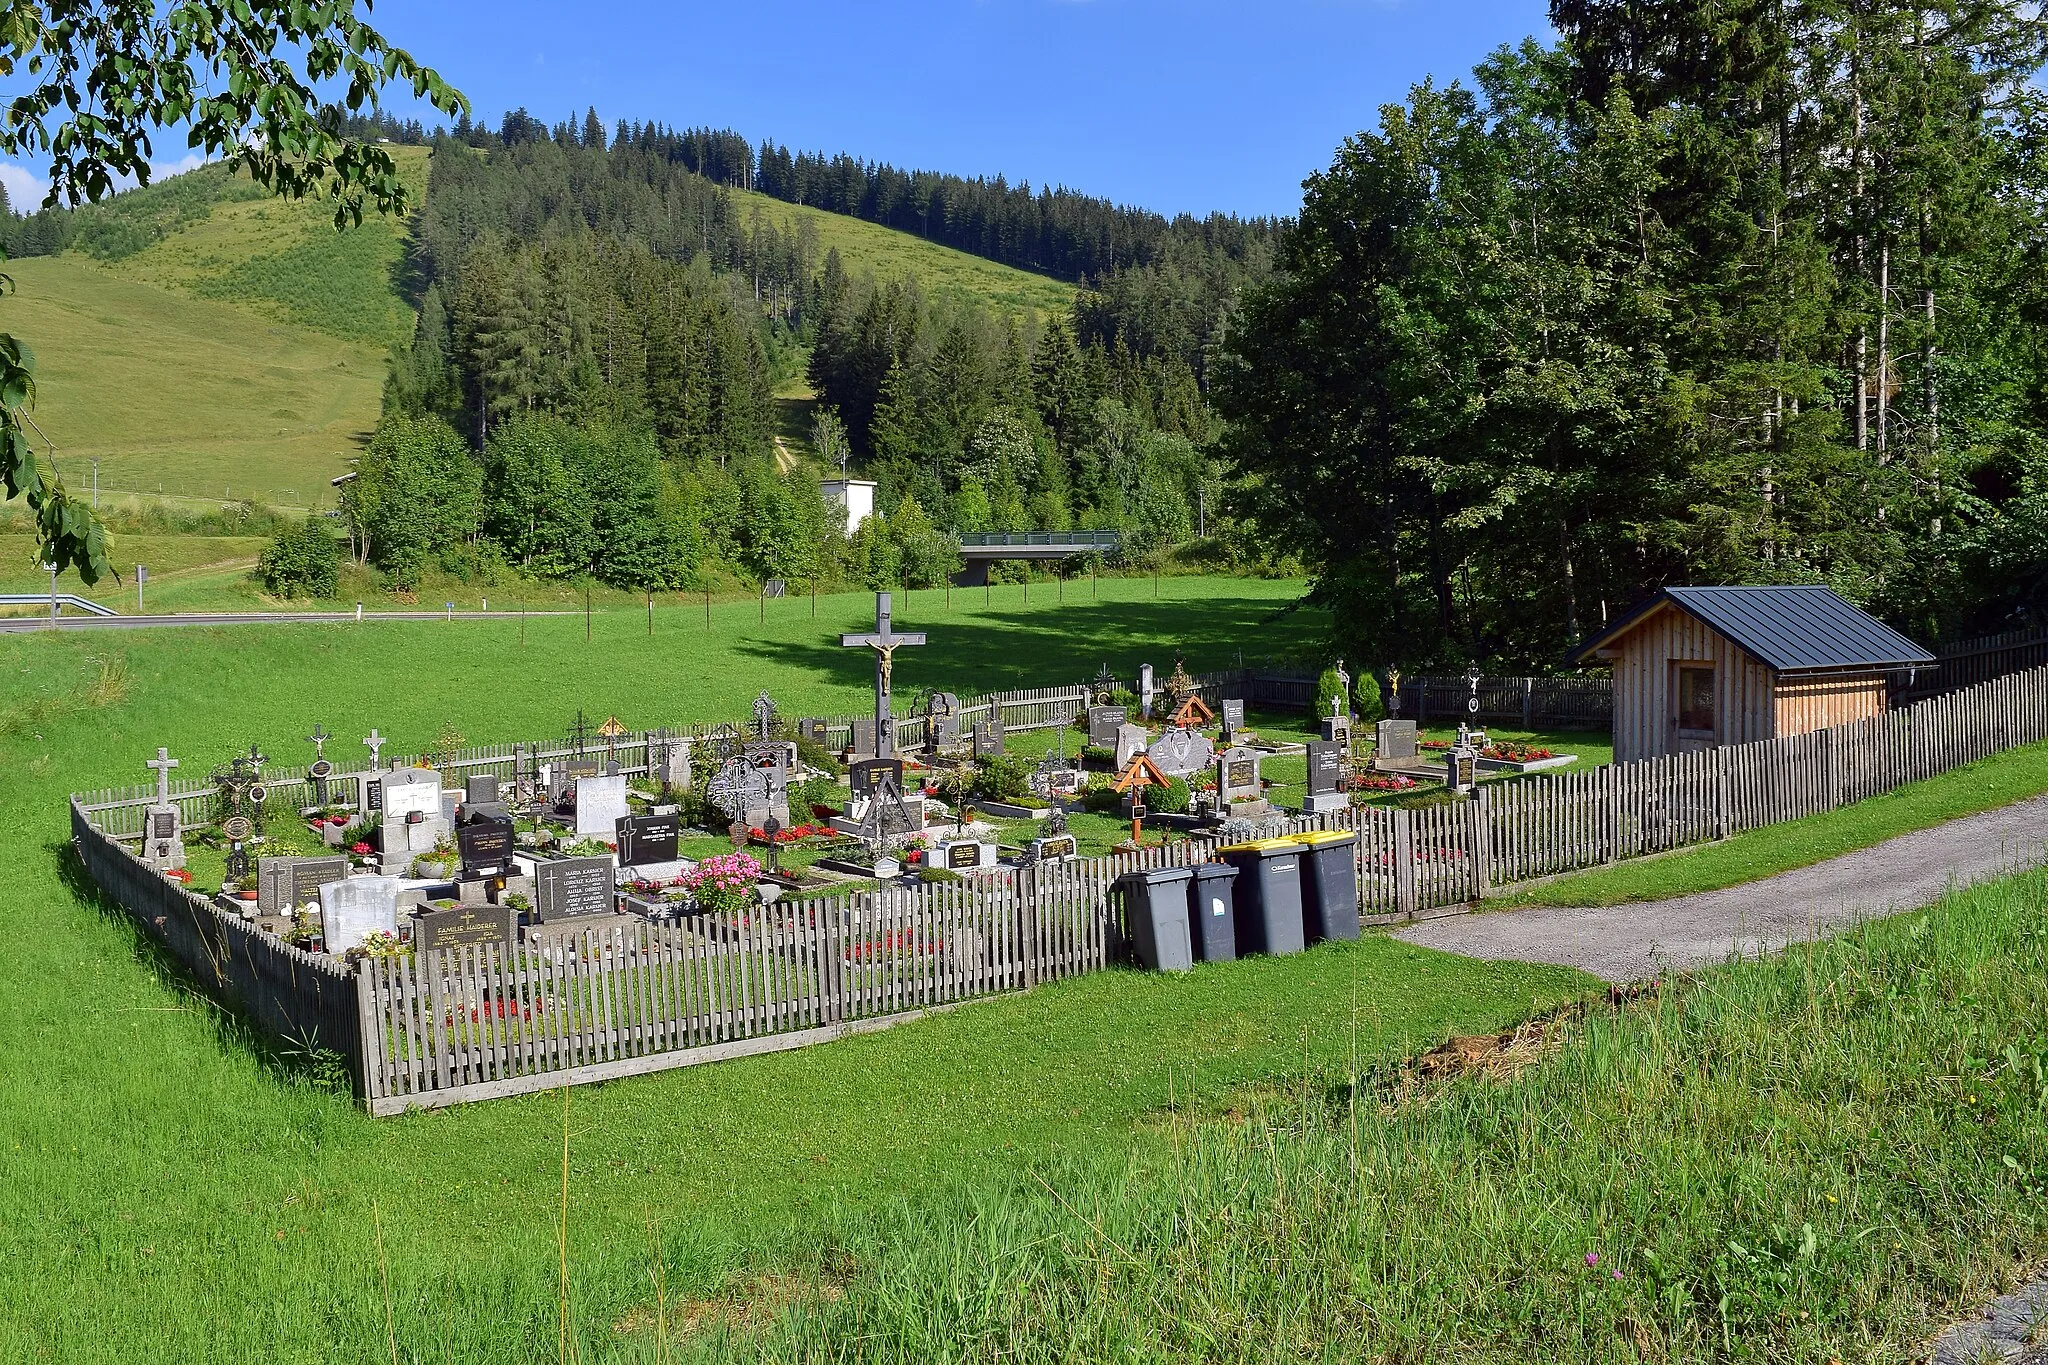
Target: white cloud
{"points": [[25, 189]]}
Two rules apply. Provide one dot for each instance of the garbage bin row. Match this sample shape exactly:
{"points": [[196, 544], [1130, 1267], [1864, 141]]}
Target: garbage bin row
{"points": [[1269, 896]]}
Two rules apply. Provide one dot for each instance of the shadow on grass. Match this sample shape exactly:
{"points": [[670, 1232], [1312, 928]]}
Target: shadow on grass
{"points": [[1020, 648], [298, 1063]]}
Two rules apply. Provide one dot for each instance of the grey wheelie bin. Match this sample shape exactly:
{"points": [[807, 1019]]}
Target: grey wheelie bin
{"points": [[1156, 907], [1267, 895], [1329, 884], [1212, 919]]}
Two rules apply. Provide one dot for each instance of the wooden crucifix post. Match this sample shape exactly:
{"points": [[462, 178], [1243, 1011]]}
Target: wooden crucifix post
{"points": [[885, 641]]}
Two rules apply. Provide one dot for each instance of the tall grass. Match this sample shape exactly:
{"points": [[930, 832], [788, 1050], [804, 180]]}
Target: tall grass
{"points": [[1813, 1158]]}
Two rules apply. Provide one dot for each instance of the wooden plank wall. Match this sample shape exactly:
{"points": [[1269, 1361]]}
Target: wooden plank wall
{"points": [[1643, 707], [1531, 703], [1815, 703]]}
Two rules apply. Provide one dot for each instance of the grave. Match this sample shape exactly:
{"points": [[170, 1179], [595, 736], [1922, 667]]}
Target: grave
{"points": [[1053, 848], [413, 822], [1233, 720], [353, 909], [283, 884], [1131, 741], [964, 855], [753, 786], [463, 927], [941, 722], [1104, 722], [1326, 774], [1239, 793], [600, 804], [1145, 691], [668, 760], [572, 888], [480, 789], [1461, 769], [885, 640], [1394, 739], [648, 839], [1182, 753], [485, 847], [988, 737], [163, 825]]}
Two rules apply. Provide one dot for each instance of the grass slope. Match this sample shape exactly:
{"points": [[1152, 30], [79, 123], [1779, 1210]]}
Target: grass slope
{"points": [[943, 272], [180, 395], [169, 1195]]}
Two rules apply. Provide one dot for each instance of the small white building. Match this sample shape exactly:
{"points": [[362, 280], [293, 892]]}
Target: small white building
{"points": [[857, 496]]}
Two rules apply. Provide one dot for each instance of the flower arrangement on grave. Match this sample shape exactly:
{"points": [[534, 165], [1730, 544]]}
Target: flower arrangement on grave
{"points": [[589, 848], [383, 945], [1438, 744], [1514, 751], [518, 903], [179, 875], [246, 887], [724, 885], [304, 930], [1382, 782]]}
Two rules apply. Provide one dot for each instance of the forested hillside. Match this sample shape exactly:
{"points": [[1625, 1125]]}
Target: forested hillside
{"points": [[601, 328], [1732, 293]]}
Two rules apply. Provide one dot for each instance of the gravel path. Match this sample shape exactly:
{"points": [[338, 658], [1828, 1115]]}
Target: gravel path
{"points": [[1635, 942], [2003, 1333]]}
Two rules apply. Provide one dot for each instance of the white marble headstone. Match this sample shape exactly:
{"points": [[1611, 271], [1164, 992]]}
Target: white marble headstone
{"points": [[352, 910], [411, 790], [600, 805]]}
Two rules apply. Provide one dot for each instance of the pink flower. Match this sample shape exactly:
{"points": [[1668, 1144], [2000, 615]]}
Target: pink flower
{"points": [[1617, 1274], [1592, 1258]]}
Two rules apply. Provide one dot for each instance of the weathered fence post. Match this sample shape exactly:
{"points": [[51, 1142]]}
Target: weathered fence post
{"points": [[1610, 816], [1528, 701], [1404, 862], [372, 1029], [1724, 783], [1479, 840]]}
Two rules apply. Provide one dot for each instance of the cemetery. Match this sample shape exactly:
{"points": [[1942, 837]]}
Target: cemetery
{"points": [[484, 920]]}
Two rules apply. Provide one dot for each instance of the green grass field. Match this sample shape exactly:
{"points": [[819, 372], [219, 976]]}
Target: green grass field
{"points": [[171, 1194]]}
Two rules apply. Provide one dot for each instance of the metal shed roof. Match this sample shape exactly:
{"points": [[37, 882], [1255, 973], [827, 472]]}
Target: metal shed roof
{"points": [[1790, 629]]}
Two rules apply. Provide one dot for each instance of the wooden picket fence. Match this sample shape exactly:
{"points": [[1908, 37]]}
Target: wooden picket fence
{"points": [[623, 996]]}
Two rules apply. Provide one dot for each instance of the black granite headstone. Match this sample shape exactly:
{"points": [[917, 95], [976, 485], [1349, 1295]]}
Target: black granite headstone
{"points": [[569, 888], [647, 839], [461, 927], [864, 777], [485, 844], [1325, 768]]}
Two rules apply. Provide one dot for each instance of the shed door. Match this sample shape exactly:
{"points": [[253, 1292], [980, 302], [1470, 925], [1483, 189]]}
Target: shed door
{"points": [[1692, 707]]}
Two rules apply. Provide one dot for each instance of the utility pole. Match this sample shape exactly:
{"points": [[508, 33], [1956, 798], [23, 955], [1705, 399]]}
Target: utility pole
{"points": [[586, 611], [95, 481]]}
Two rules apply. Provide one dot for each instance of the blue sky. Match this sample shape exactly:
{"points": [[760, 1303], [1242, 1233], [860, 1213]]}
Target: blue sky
{"points": [[1171, 104]]}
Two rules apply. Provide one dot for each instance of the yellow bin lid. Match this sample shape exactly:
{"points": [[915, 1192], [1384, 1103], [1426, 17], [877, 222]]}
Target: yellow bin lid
{"points": [[1264, 846], [1317, 838]]}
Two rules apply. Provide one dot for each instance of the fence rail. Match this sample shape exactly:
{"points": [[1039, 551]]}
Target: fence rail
{"points": [[458, 1025]]}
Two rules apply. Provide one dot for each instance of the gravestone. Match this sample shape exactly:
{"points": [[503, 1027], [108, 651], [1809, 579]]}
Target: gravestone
{"points": [[480, 789], [462, 927], [283, 884], [413, 822], [572, 888], [1461, 770], [1103, 722], [1130, 742], [163, 825], [862, 744], [988, 737], [753, 786], [1337, 730], [645, 839], [668, 760], [1054, 848], [866, 776], [486, 846], [941, 721], [356, 907], [1233, 720], [1182, 753], [1145, 691], [1239, 792], [964, 855], [1325, 779], [600, 804], [1395, 738]]}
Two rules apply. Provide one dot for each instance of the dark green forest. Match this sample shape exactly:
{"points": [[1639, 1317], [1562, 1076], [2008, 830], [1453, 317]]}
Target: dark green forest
{"points": [[601, 330], [1740, 292]]}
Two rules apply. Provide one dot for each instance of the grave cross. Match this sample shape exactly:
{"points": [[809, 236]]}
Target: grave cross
{"points": [[163, 763], [376, 743], [884, 641], [319, 739], [579, 732], [257, 758], [764, 714]]}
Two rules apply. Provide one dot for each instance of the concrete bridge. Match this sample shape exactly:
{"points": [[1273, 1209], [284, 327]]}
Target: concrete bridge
{"points": [[979, 551]]}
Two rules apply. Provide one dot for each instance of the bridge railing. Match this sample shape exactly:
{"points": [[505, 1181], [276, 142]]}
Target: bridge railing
{"points": [[1081, 541]]}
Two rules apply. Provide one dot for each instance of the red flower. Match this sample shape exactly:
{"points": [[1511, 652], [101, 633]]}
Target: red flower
{"points": [[359, 847]]}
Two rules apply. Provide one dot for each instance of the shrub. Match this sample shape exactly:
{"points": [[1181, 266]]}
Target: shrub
{"points": [[1172, 799], [1328, 690], [1371, 709], [1000, 777], [301, 560]]}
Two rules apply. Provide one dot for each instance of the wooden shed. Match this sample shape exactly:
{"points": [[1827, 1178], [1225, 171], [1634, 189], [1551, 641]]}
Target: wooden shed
{"points": [[1697, 667]]}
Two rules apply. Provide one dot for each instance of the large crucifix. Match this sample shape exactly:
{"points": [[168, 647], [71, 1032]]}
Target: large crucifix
{"points": [[163, 763], [884, 641]]}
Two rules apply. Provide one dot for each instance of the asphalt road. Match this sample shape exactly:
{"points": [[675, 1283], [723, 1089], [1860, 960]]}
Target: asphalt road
{"points": [[18, 624], [1635, 942]]}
